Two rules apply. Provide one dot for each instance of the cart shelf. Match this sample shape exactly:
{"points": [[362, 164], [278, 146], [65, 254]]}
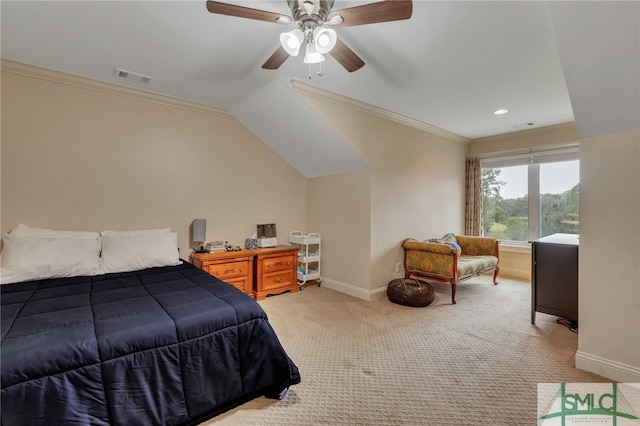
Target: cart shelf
{"points": [[302, 239], [309, 254]]}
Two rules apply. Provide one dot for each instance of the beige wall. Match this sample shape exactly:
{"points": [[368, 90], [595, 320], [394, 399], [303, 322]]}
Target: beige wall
{"points": [[415, 188], [515, 262], [609, 258], [78, 155], [81, 154], [339, 209]]}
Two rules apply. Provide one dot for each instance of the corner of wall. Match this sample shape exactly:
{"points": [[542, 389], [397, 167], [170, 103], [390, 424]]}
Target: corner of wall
{"points": [[607, 368]]}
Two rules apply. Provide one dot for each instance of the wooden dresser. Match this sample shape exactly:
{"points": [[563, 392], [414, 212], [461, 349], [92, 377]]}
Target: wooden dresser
{"points": [[275, 271], [233, 267]]}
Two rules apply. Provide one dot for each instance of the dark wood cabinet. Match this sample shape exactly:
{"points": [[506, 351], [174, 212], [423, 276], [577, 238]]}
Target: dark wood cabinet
{"points": [[554, 276]]}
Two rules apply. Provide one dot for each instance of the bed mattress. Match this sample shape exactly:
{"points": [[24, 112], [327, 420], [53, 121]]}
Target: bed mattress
{"points": [[159, 346]]}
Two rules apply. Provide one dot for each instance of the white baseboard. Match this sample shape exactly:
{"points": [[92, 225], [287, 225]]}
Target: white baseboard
{"points": [[613, 370], [352, 290]]}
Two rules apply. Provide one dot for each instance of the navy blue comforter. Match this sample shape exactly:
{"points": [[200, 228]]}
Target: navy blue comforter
{"points": [[161, 346]]}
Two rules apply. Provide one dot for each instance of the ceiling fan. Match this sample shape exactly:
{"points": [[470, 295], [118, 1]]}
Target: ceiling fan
{"points": [[314, 19]]}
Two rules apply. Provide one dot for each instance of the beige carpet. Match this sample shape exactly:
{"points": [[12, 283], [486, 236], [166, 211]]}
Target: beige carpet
{"points": [[377, 363]]}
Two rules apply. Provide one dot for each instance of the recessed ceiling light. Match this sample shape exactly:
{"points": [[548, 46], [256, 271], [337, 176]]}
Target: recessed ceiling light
{"points": [[501, 111]]}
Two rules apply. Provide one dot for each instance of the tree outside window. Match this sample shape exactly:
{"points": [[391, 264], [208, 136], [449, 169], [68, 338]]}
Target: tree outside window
{"points": [[510, 214]]}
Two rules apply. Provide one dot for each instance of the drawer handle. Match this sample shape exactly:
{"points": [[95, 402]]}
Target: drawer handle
{"points": [[277, 279], [229, 271]]}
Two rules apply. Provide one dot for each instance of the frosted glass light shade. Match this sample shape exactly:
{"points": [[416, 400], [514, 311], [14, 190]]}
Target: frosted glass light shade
{"points": [[325, 39], [312, 56], [291, 41]]}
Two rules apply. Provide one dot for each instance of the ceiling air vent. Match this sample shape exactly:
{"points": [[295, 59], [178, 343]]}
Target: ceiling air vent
{"points": [[132, 76]]}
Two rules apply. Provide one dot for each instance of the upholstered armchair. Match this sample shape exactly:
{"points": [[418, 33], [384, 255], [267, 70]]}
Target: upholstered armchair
{"points": [[440, 261]]}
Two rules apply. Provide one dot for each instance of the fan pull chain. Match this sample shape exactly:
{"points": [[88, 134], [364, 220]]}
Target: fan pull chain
{"points": [[319, 73]]}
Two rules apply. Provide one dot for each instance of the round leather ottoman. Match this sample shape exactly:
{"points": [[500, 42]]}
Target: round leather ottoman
{"points": [[410, 292]]}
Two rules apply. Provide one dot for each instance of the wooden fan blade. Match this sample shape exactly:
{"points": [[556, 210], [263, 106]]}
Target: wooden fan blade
{"points": [[277, 59], [383, 11], [241, 11], [346, 57]]}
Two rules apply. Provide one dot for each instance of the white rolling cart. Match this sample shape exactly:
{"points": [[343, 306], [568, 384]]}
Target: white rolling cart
{"points": [[309, 249]]}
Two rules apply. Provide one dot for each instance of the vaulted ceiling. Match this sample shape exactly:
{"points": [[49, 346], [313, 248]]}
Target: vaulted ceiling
{"points": [[451, 65]]}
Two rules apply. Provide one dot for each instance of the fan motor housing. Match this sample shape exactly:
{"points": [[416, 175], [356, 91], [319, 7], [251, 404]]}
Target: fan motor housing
{"points": [[300, 14]]}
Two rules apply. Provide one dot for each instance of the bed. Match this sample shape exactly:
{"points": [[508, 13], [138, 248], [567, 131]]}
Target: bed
{"points": [[163, 345]]}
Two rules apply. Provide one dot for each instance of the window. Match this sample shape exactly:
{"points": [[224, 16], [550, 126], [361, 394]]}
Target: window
{"points": [[532, 196]]}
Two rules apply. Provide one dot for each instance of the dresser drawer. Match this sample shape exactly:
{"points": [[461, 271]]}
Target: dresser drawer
{"points": [[279, 263], [224, 271], [275, 271], [277, 280], [241, 283], [235, 267]]}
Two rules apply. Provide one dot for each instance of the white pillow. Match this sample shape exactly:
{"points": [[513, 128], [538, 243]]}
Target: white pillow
{"points": [[131, 251], [137, 232], [26, 231], [30, 258]]}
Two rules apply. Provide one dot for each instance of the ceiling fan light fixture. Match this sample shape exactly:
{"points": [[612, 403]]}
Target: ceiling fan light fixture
{"points": [[308, 15], [312, 56], [325, 39], [292, 41]]}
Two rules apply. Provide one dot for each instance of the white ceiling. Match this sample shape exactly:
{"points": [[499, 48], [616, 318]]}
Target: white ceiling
{"points": [[450, 65]]}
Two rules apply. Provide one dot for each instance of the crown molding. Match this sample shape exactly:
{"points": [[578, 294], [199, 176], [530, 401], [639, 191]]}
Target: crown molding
{"points": [[325, 95], [568, 128], [20, 68], [556, 136]]}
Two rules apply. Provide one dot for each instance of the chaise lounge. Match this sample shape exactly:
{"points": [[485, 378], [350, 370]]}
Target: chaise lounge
{"points": [[445, 262]]}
